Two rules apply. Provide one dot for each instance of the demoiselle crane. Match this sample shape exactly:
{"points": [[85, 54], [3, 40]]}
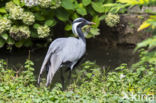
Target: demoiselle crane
{"points": [[65, 51]]}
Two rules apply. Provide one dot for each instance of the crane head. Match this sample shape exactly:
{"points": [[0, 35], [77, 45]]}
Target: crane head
{"points": [[82, 22], [79, 23]]}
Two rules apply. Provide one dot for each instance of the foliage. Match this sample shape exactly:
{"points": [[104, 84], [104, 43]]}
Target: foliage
{"points": [[52, 13], [90, 84], [148, 54], [35, 14]]}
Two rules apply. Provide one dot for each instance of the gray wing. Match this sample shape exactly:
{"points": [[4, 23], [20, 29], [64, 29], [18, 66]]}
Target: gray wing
{"points": [[55, 46]]}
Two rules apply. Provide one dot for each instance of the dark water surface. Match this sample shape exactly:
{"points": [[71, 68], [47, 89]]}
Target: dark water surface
{"points": [[104, 56]]}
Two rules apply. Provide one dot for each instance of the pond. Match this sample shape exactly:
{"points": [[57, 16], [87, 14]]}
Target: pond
{"points": [[104, 56]]}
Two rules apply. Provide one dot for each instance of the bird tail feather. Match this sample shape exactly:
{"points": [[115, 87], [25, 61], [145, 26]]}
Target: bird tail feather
{"points": [[46, 59], [55, 61]]}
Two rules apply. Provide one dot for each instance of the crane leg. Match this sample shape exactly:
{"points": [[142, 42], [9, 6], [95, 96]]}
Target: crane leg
{"points": [[69, 76], [62, 79]]}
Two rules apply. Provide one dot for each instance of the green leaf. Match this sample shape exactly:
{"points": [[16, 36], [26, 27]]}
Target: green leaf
{"points": [[22, 4], [92, 12], [36, 8], [50, 22], [75, 15], [68, 4], [102, 17], [35, 26], [28, 43], [39, 17], [68, 27], [98, 7], [2, 42], [19, 44], [94, 31], [81, 10], [86, 2], [34, 34], [96, 20], [62, 14], [4, 36], [2, 10], [17, 2], [89, 75], [10, 41]]}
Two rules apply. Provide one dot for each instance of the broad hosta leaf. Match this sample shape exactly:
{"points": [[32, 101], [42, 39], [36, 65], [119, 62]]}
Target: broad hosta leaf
{"points": [[86, 2], [50, 22], [2, 10], [62, 14], [81, 10], [68, 4], [4, 36], [2, 42], [98, 7]]}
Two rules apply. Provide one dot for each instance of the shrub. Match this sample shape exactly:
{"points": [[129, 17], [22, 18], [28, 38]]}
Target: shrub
{"points": [[90, 84]]}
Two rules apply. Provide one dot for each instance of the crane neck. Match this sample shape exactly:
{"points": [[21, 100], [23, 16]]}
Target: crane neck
{"points": [[81, 35]]}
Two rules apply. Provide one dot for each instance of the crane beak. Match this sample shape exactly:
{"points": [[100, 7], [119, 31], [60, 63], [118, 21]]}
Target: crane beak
{"points": [[91, 23]]}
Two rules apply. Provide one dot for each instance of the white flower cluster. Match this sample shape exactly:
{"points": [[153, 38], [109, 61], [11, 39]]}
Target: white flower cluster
{"points": [[21, 32], [9, 5], [112, 20], [28, 18], [17, 13], [44, 3], [5, 24], [43, 31], [30, 3]]}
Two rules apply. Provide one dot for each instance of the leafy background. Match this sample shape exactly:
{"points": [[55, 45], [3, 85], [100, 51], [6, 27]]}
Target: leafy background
{"points": [[45, 19]]}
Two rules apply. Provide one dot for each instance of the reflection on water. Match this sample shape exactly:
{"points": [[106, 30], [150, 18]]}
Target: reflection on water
{"points": [[107, 57]]}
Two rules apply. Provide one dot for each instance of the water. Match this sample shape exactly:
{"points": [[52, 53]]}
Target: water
{"points": [[104, 56]]}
